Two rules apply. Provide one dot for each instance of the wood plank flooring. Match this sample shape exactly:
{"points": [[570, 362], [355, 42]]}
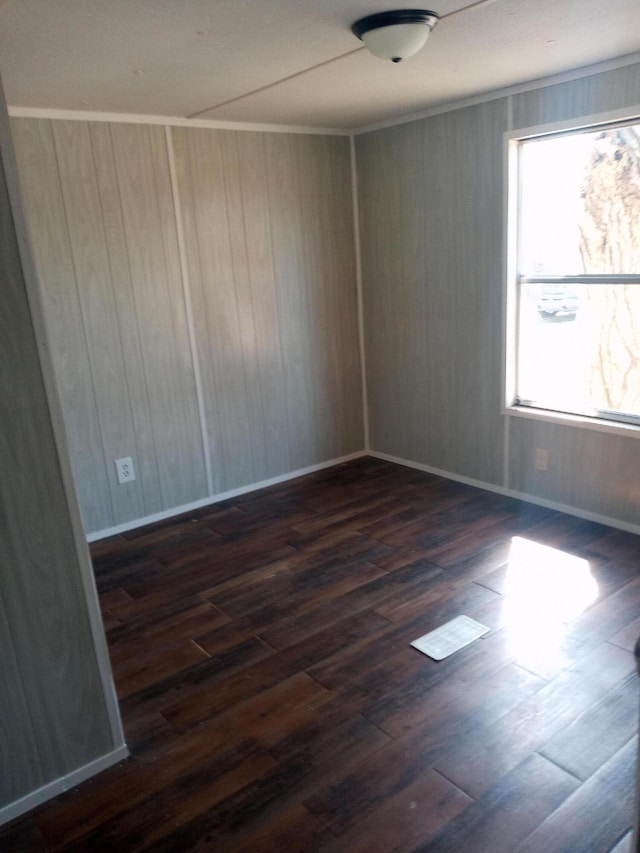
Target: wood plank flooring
{"points": [[272, 702]]}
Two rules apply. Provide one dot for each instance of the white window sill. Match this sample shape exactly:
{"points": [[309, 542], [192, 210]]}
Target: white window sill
{"points": [[579, 421]]}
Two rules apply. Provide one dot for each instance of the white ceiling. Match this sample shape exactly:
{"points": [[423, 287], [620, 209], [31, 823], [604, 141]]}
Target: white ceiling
{"points": [[289, 62]]}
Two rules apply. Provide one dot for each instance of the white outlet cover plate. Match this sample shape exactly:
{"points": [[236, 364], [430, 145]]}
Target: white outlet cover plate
{"points": [[125, 471], [450, 637]]}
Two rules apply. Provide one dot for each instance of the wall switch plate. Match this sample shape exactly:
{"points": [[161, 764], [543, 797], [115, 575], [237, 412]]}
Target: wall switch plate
{"points": [[542, 459], [125, 470]]}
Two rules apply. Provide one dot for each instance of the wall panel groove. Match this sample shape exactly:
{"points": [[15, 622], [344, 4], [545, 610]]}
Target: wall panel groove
{"points": [[186, 290]]}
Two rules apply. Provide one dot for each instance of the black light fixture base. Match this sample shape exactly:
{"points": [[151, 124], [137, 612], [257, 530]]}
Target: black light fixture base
{"points": [[389, 19]]}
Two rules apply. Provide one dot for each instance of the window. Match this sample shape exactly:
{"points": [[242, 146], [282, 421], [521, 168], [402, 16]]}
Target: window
{"points": [[576, 315]]}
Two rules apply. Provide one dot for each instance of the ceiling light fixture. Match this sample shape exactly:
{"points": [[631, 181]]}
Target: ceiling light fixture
{"points": [[395, 35]]}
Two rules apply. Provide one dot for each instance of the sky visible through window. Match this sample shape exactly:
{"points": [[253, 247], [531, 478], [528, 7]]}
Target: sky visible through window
{"points": [[552, 175]]}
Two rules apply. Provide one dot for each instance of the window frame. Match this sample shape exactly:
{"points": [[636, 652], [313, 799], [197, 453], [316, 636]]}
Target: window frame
{"points": [[514, 282]]}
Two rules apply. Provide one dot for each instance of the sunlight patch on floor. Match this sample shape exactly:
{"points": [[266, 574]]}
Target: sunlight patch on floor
{"points": [[546, 589]]}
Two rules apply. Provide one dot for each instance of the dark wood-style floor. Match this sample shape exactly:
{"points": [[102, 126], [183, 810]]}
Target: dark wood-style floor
{"points": [[272, 702]]}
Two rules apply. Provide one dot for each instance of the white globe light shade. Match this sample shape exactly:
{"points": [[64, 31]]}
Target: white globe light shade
{"points": [[395, 35], [399, 41]]}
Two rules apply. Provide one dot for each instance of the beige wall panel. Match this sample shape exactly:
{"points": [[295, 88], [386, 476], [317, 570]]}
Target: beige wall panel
{"points": [[240, 251], [599, 93], [45, 209], [298, 335], [145, 190], [452, 388], [101, 212], [375, 189], [432, 269], [133, 396], [317, 267], [40, 577], [269, 268], [474, 262], [21, 770], [82, 201], [218, 325], [326, 227], [269, 245], [594, 471], [344, 343], [394, 283], [267, 353]]}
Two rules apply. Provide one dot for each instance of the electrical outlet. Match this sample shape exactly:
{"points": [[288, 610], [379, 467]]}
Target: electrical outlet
{"points": [[125, 470], [542, 459]]}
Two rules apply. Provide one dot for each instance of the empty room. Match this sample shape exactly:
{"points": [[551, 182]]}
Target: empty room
{"points": [[320, 426]]}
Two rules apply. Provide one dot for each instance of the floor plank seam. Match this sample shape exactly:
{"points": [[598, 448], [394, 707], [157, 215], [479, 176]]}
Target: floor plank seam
{"points": [[198, 646], [540, 752], [454, 784]]}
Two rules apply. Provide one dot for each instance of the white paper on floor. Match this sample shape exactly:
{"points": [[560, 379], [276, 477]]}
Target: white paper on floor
{"points": [[450, 637]]}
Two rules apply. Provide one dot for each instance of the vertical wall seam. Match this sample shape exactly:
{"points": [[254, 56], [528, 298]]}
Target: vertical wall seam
{"points": [[359, 292], [166, 283], [506, 436], [186, 293], [192, 150]]}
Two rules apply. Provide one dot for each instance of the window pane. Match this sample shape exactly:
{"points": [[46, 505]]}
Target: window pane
{"points": [[580, 203], [579, 348]]}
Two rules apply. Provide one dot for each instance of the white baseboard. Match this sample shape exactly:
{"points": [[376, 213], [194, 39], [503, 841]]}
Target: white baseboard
{"points": [[223, 496], [429, 469], [512, 493], [60, 785]]}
